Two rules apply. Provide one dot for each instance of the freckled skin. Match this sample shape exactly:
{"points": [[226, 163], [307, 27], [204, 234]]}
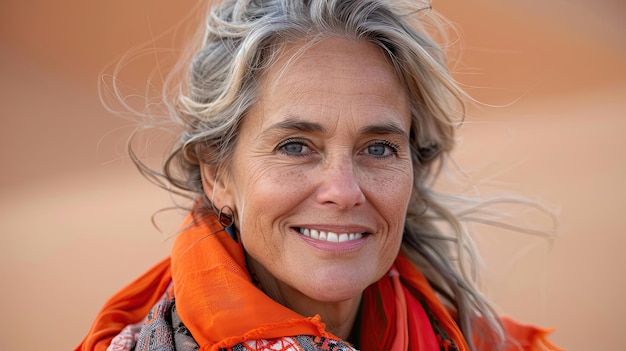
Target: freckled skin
{"points": [[334, 179]]}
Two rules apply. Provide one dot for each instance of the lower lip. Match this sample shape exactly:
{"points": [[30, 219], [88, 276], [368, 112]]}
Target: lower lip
{"points": [[335, 247]]}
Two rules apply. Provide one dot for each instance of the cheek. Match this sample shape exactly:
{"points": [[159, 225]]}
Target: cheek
{"points": [[390, 191], [291, 178], [274, 185], [266, 193]]}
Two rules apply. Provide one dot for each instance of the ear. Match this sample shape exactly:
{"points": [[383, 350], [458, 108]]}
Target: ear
{"points": [[216, 186]]}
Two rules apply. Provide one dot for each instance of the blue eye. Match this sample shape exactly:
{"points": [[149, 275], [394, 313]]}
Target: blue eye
{"points": [[376, 150], [293, 147], [382, 149]]}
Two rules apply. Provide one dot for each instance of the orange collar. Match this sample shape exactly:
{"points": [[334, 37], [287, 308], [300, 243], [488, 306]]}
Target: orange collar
{"points": [[221, 306], [216, 298]]}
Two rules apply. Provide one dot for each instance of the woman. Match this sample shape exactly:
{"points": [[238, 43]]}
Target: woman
{"points": [[312, 129]]}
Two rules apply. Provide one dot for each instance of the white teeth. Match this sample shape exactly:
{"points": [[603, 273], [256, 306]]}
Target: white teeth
{"points": [[329, 236], [323, 236], [332, 237]]}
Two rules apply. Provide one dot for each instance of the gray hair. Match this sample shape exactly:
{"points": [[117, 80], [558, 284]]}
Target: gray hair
{"points": [[243, 38]]}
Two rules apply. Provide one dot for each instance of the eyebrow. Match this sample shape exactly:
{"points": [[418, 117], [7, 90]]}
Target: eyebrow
{"points": [[385, 129], [299, 125], [312, 127]]}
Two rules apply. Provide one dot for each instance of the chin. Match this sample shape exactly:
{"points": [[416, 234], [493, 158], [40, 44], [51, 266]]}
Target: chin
{"points": [[334, 294], [336, 288]]}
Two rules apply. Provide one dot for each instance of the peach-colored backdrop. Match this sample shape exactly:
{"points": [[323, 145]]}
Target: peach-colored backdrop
{"points": [[75, 215]]}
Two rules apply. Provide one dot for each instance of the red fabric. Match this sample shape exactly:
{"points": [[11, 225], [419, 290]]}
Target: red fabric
{"points": [[380, 312], [220, 305], [427, 339], [416, 280]]}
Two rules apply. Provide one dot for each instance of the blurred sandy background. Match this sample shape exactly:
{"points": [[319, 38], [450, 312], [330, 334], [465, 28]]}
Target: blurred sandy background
{"points": [[75, 215]]}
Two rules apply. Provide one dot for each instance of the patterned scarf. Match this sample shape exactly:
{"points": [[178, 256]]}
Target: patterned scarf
{"points": [[164, 330], [218, 304]]}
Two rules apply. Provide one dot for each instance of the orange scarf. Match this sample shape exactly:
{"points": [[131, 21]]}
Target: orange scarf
{"points": [[221, 307]]}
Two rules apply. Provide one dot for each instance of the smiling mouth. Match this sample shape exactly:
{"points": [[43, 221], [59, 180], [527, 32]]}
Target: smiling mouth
{"points": [[329, 236]]}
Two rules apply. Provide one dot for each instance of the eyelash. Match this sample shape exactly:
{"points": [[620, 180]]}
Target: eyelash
{"points": [[281, 147], [282, 144]]}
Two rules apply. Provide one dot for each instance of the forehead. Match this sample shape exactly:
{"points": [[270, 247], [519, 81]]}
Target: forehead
{"points": [[329, 72], [344, 58]]}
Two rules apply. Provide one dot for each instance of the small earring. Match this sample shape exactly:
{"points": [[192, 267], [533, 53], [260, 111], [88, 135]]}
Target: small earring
{"points": [[229, 227]]}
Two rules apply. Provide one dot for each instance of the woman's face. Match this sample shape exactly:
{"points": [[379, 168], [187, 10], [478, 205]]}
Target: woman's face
{"points": [[321, 175]]}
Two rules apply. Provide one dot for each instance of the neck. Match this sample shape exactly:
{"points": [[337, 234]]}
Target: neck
{"points": [[339, 316]]}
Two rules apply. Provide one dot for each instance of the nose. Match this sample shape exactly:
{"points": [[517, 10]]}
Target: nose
{"points": [[340, 186]]}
